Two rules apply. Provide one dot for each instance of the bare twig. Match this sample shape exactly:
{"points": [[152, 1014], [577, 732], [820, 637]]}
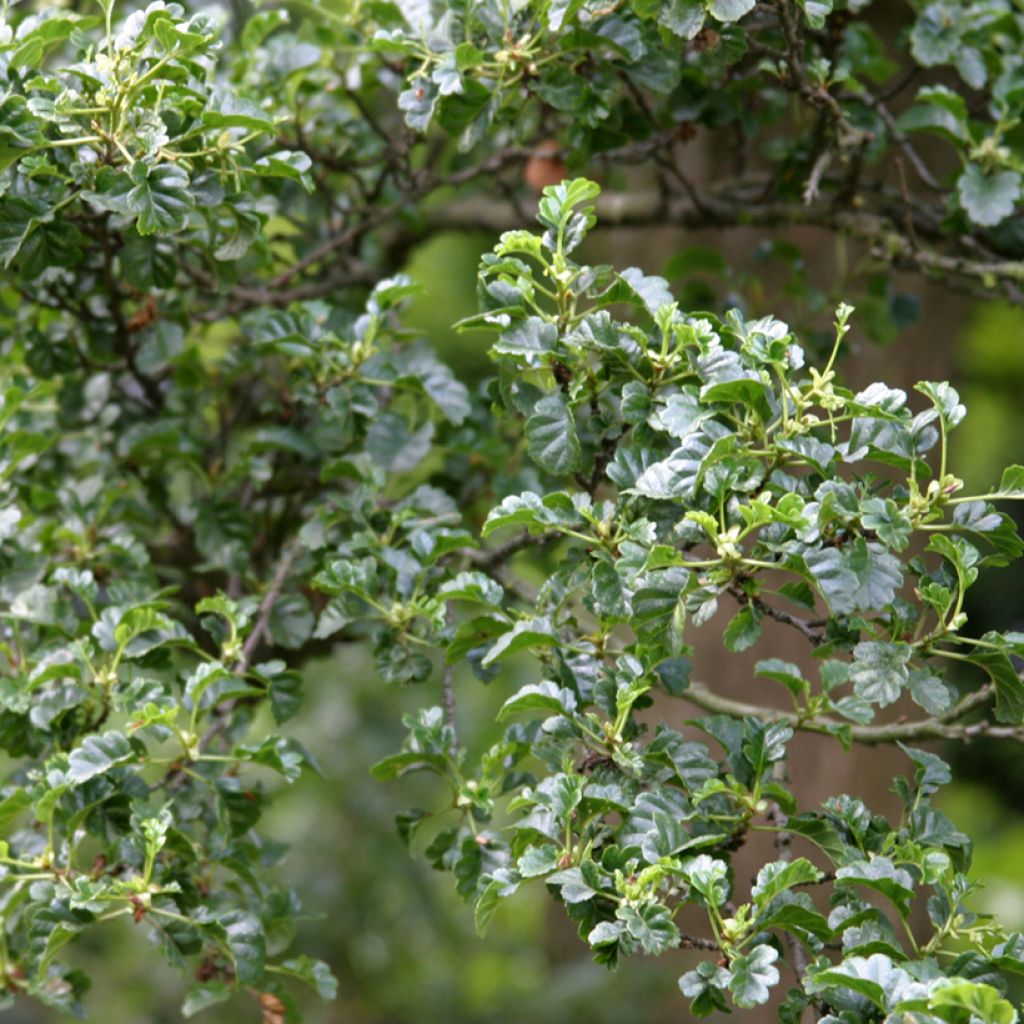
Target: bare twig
{"points": [[448, 692], [221, 714], [939, 727], [810, 628], [487, 560], [270, 596]]}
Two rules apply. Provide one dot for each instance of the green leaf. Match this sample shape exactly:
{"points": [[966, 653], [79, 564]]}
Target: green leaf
{"points": [[786, 673], [936, 36], [418, 103], [652, 291], [708, 876], [474, 587], [884, 517], [11, 807], [551, 436], [651, 925], [980, 1001], [796, 914], [743, 630], [538, 860], [230, 111], [561, 11], [396, 765], [160, 198], [862, 577], [283, 164], [875, 977], [566, 794], [778, 876], [659, 610], [285, 756], [313, 972], [931, 771], [203, 677], [705, 985], [523, 636], [880, 874], [1012, 483], [880, 671], [246, 943], [816, 11], [753, 975], [821, 831], [486, 905], [609, 590], [529, 509], [678, 475], [1006, 679], [666, 838], [202, 995], [683, 17], [19, 216], [988, 198], [548, 697], [938, 108], [98, 754], [730, 10], [567, 210], [946, 401], [291, 621], [439, 383]]}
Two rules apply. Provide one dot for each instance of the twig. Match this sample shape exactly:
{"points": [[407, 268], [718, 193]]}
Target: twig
{"points": [[487, 560], [448, 692], [783, 844], [939, 727], [222, 712], [810, 628], [273, 592], [736, 205]]}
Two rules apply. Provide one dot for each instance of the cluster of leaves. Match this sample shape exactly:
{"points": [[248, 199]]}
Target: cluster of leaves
{"points": [[480, 65], [686, 462], [131, 693], [622, 80], [260, 161], [132, 129], [220, 453], [163, 497]]}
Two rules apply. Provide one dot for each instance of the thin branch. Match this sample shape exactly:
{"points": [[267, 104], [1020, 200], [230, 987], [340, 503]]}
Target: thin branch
{"points": [[487, 560], [783, 845], [940, 727], [273, 592], [810, 628], [737, 205], [448, 692], [221, 714], [913, 158]]}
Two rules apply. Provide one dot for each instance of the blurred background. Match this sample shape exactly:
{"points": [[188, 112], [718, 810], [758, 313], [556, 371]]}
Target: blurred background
{"points": [[400, 941]]}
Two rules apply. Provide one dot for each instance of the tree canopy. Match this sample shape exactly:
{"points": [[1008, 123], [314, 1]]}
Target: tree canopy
{"points": [[222, 452]]}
